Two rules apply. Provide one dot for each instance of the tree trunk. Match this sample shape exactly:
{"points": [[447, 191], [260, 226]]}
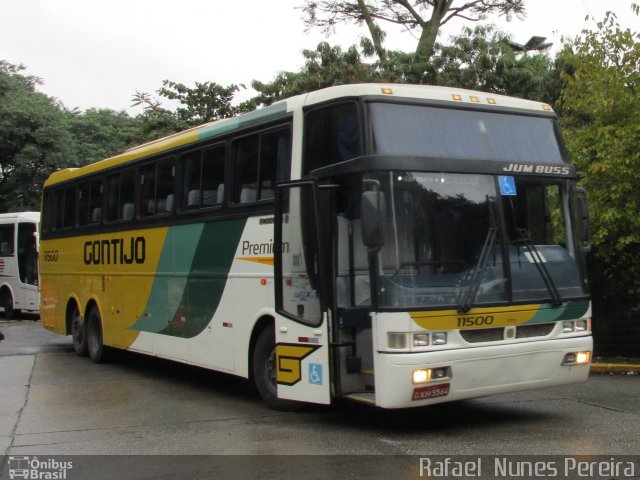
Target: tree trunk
{"points": [[430, 29], [374, 30]]}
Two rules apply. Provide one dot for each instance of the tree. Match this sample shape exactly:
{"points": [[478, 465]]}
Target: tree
{"points": [[203, 103], [34, 139], [426, 17], [479, 58], [601, 126], [323, 67]]}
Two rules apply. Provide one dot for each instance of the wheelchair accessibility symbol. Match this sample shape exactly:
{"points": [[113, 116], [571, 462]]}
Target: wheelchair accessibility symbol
{"points": [[315, 374]]}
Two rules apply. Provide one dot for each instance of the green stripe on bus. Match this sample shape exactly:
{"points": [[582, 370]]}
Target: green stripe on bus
{"points": [[184, 299], [257, 116], [569, 311]]}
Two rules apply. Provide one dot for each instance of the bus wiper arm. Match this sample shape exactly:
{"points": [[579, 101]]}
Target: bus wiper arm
{"points": [[472, 290], [525, 238]]}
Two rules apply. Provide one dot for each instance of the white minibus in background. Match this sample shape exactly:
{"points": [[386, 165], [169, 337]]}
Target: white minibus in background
{"points": [[19, 263]]}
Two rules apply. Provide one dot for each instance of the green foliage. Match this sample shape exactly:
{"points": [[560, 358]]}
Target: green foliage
{"points": [[34, 139], [38, 136], [478, 58], [601, 123], [323, 67], [203, 103]]}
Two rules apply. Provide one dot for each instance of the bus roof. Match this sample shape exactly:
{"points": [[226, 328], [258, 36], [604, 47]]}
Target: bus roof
{"points": [[280, 109], [20, 216]]}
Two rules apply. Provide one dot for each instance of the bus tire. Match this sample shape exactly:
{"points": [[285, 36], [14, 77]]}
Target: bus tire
{"points": [[78, 332], [93, 332], [264, 371], [7, 303]]}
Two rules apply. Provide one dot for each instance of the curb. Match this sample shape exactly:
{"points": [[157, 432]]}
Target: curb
{"points": [[615, 368]]}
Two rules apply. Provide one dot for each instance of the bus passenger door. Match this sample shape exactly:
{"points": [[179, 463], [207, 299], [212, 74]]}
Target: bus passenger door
{"points": [[302, 334]]}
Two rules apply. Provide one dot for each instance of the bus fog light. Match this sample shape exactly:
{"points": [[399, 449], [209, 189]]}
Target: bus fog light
{"points": [[439, 338], [440, 373], [577, 358], [397, 341], [420, 339], [581, 326], [421, 376], [567, 327]]}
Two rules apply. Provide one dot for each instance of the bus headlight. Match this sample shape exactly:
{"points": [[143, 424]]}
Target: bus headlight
{"points": [[567, 327], [421, 376], [582, 325], [420, 339], [396, 340], [439, 338], [426, 375], [577, 358]]}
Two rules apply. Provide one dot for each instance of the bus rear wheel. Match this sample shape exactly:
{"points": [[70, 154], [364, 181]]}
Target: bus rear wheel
{"points": [[93, 332], [78, 332], [264, 371]]}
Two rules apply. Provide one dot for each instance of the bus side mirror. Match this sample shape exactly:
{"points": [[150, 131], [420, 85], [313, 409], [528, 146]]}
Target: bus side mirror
{"points": [[583, 217], [372, 207]]}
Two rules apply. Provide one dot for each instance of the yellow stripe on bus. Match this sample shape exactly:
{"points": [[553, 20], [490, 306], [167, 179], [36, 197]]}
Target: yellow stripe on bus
{"points": [[475, 318]]}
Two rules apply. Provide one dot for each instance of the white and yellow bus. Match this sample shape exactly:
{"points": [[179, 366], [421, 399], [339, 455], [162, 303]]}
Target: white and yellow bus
{"points": [[19, 263], [397, 245]]}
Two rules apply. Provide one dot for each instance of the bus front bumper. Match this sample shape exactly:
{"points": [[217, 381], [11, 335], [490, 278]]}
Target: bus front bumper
{"points": [[478, 371]]}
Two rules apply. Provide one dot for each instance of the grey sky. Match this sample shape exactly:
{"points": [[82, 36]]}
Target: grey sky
{"points": [[97, 53]]}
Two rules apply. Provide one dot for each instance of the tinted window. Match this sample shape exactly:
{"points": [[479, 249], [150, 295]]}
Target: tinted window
{"points": [[260, 161], [203, 178], [332, 135]]}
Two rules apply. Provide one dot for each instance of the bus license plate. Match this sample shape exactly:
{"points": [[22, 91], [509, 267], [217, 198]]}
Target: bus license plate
{"points": [[432, 391]]}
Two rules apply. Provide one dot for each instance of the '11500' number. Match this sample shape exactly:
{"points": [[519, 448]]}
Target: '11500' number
{"points": [[475, 321]]}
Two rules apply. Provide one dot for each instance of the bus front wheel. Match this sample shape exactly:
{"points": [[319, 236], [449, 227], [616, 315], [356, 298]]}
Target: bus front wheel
{"points": [[264, 371], [93, 332]]}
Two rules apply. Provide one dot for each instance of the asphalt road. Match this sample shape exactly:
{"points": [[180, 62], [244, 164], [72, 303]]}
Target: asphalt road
{"points": [[54, 403]]}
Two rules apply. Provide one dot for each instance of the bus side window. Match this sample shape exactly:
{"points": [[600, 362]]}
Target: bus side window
{"points": [[332, 135], [113, 197], [213, 160], [6, 239], [260, 160], [191, 179], [95, 202], [246, 161], [64, 208]]}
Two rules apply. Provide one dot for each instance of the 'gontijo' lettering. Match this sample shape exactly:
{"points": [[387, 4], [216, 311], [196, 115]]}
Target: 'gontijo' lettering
{"points": [[115, 251]]}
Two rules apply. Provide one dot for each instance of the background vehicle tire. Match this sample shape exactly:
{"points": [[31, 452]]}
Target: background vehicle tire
{"points": [[264, 371], [98, 353], [6, 300], [78, 332]]}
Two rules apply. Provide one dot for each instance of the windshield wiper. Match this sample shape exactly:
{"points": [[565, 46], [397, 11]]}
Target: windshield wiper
{"points": [[474, 285], [471, 291], [536, 258]]}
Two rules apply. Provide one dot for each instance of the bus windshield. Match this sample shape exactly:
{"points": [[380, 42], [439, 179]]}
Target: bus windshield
{"points": [[461, 240], [412, 130]]}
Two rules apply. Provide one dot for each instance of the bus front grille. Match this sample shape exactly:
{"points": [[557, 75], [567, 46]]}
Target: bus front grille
{"points": [[498, 334]]}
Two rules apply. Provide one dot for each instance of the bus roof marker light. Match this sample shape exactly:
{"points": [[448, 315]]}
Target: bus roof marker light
{"points": [[474, 99], [491, 101], [546, 107], [387, 91], [457, 97]]}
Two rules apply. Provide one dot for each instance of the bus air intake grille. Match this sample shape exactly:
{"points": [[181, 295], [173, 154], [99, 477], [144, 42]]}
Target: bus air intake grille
{"points": [[483, 335], [539, 330], [498, 334]]}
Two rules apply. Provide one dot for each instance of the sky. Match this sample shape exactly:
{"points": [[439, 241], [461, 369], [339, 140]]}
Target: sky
{"points": [[98, 53]]}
